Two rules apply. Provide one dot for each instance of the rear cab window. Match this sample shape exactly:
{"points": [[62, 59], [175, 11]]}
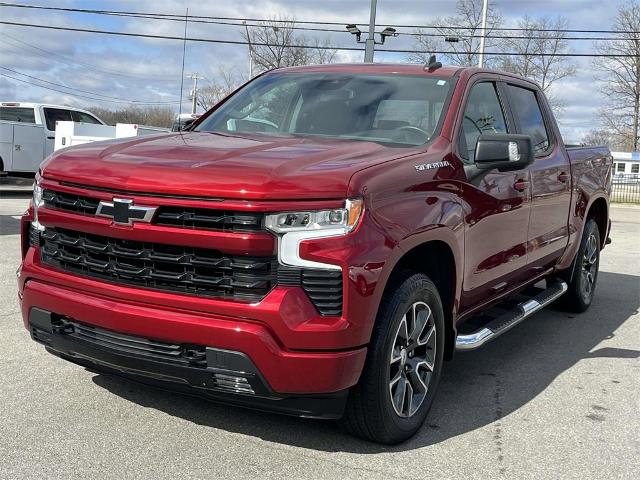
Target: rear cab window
{"points": [[82, 117], [18, 114], [53, 115]]}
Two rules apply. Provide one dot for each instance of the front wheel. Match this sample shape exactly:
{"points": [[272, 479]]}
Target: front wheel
{"points": [[403, 367], [584, 273]]}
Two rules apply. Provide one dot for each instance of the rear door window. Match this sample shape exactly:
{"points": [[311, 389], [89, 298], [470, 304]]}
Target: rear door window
{"points": [[53, 115], [82, 117], [14, 114], [529, 118]]}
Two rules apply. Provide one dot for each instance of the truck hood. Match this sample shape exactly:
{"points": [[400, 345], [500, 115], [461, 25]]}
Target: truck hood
{"points": [[220, 166]]}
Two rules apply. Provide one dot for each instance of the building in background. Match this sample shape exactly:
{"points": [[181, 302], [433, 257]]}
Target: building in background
{"points": [[626, 162]]}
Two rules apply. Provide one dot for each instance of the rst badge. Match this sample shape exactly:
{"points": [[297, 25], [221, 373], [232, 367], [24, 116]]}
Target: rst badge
{"points": [[430, 166]]}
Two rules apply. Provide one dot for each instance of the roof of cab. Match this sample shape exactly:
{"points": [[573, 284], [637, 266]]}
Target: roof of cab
{"points": [[406, 68], [446, 71]]}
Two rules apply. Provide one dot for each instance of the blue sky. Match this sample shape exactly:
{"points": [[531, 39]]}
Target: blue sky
{"points": [[150, 70]]}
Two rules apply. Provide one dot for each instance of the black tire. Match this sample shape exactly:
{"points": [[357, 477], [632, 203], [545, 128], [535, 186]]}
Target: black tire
{"points": [[583, 274], [371, 412]]}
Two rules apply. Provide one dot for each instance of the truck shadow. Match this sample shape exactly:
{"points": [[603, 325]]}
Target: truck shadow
{"points": [[477, 388]]}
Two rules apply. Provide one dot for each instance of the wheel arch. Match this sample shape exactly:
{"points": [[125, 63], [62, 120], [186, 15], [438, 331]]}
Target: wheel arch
{"points": [[436, 256], [599, 211]]}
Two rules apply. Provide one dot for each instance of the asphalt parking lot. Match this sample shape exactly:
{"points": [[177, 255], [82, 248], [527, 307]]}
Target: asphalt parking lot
{"points": [[557, 397]]}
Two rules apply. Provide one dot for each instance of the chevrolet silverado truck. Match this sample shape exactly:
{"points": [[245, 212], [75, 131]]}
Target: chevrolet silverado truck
{"points": [[318, 243]]}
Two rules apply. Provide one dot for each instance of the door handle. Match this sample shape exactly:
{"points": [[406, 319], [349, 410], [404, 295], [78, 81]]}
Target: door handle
{"points": [[521, 185], [563, 177]]}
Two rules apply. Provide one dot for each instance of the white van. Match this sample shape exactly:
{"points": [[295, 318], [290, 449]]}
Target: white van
{"points": [[27, 133]]}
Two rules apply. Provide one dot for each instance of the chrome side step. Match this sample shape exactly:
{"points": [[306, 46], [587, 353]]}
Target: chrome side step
{"points": [[510, 319]]}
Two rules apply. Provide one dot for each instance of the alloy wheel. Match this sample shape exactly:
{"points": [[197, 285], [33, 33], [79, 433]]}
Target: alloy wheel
{"points": [[589, 267], [412, 359]]}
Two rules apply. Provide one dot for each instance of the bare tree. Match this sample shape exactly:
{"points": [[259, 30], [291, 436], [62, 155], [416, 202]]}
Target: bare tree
{"points": [[211, 94], [150, 116], [464, 25], [621, 75], [620, 128], [275, 44], [598, 137], [539, 47]]}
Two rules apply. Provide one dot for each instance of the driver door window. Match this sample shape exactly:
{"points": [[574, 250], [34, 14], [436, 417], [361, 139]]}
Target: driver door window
{"points": [[482, 115]]}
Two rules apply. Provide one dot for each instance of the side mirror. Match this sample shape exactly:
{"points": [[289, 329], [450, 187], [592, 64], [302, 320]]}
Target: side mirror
{"points": [[503, 151]]}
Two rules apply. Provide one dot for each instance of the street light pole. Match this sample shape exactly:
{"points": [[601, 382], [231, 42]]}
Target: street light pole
{"points": [[371, 39], [483, 29]]}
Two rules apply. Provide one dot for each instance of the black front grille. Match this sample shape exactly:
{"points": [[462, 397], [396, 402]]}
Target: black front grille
{"points": [[175, 268], [158, 266], [200, 218], [181, 354], [183, 217], [70, 202]]}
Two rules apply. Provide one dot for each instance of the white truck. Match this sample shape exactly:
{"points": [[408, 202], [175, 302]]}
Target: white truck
{"points": [[27, 133]]}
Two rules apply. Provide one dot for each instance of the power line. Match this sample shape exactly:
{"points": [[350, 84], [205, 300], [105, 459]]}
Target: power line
{"points": [[193, 18], [230, 22], [94, 96], [69, 61], [239, 23], [181, 18], [53, 89], [516, 37], [312, 47], [165, 15], [169, 37]]}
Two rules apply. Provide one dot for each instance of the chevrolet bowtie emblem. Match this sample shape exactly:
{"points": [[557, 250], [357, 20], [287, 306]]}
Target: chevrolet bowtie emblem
{"points": [[123, 211]]}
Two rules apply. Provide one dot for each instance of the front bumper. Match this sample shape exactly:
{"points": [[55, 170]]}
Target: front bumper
{"points": [[283, 373], [217, 374]]}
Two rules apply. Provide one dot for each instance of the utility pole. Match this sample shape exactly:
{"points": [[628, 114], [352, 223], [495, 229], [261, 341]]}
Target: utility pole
{"points": [[483, 29], [194, 91], [250, 50], [371, 39]]}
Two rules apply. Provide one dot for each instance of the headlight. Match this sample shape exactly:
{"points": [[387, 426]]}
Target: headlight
{"points": [[295, 227], [37, 203], [341, 219]]}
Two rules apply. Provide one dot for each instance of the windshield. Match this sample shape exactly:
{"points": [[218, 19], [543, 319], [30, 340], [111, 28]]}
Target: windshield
{"points": [[390, 109]]}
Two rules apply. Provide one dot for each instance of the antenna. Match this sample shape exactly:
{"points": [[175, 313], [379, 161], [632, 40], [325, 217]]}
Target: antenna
{"points": [[432, 64], [184, 51]]}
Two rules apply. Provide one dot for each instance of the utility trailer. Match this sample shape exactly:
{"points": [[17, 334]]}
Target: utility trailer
{"points": [[69, 134], [27, 133]]}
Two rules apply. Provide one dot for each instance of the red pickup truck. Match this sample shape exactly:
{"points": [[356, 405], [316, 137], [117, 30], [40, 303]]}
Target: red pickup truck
{"points": [[319, 242]]}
